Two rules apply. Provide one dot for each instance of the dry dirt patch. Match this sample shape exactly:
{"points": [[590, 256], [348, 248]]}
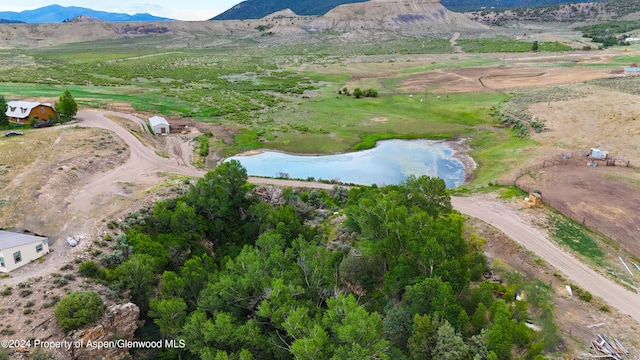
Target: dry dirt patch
{"points": [[605, 118], [499, 78], [605, 199]]}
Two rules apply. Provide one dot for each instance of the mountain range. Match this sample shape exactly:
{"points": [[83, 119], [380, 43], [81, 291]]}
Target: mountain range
{"points": [[257, 9], [254, 9], [57, 13]]}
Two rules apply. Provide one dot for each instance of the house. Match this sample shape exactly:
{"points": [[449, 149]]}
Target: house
{"points": [[23, 111], [159, 125], [18, 249]]}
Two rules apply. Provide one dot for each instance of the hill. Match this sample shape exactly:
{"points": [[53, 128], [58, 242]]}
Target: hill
{"points": [[257, 9], [393, 14], [57, 13]]}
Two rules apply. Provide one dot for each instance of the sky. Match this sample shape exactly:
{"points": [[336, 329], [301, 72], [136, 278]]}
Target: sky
{"points": [[188, 10]]}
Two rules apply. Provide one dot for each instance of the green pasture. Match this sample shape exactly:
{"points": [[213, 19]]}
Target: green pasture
{"points": [[504, 45], [269, 99], [337, 123]]}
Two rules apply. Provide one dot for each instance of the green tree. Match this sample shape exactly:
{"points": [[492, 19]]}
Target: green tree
{"points": [[169, 315], [449, 344], [360, 334], [500, 331], [138, 274], [534, 46], [66, 106], [78, 309], [422, 337], [4, 119], [370, 93], [358, 93]]}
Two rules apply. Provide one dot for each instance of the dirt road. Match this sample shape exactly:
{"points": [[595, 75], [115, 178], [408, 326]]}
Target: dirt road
{"points": [[141, 169], [507, 219], [144, 166]]}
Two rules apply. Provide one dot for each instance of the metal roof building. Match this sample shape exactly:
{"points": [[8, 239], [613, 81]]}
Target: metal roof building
{"points": [[19, 249]]}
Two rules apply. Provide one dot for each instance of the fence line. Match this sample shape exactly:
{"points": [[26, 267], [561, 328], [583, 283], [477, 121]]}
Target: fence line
{"points": [[567, 158]]}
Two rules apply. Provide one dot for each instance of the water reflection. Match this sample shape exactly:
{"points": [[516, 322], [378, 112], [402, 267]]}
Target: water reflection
{"points": [[390, 162]]}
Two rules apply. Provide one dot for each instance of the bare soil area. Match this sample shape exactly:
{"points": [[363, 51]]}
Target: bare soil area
{"points": [[604, 198], [604, 118], [500, 78]]}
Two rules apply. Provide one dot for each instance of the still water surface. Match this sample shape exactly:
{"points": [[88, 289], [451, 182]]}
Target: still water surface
{"points": [[390, 162]]}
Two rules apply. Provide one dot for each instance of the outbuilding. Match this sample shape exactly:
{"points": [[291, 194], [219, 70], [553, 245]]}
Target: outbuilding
{"points": [[18, 249], [159, 125], [22, 111]]}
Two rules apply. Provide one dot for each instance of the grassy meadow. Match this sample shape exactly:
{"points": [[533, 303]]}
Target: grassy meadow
{"points": [[283, 97]]}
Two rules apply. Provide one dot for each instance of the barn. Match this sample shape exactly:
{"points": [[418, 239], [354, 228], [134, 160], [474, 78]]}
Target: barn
{"points": [[22, 111], [18, 249], [159, 125]]}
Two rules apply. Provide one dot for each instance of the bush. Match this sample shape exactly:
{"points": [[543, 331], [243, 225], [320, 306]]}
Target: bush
{"points": [[91, 269], [370, 93], [585, 295], [78, 309]]}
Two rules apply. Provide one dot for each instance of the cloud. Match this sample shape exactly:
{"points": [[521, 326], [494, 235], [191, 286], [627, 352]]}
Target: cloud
{"points": [[191, 15]]}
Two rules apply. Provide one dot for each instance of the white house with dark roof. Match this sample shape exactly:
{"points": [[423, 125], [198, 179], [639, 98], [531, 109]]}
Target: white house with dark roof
{"points": [[18, 249], [159, 125], [23, 111]]}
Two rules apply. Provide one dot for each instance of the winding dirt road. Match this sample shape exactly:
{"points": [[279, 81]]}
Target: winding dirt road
{"points": [[507, 220]]}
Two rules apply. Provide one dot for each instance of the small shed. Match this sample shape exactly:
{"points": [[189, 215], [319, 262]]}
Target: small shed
{"points": [[18, 249], [598, 154], [159, 125]]}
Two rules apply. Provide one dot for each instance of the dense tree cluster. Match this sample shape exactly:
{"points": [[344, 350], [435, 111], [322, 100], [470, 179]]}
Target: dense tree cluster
{"points": [[242, 279]]}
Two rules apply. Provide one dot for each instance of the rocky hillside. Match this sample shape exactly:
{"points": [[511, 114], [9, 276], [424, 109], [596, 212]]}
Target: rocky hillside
{"points": [[257, 9], [575, 12], [392, 14]]}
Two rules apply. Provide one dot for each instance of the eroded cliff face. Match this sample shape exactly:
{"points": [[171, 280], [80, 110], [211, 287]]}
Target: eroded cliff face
{"points": [[118, 323], [390, 14]]}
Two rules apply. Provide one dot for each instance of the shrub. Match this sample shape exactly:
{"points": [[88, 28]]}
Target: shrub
{"points": [[54, 300], [586, 296], [370, 93], [91, 269], [40, 354], [78, 309]]}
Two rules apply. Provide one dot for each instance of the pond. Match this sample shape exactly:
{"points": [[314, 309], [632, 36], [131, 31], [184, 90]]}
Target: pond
{"points": [[390, 162]]}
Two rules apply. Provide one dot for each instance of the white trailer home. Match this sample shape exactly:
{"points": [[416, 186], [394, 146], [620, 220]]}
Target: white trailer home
{"points": [[17, 249]]}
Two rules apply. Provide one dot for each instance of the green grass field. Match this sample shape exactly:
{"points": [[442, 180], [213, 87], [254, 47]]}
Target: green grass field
{"points": [[280, 97]]}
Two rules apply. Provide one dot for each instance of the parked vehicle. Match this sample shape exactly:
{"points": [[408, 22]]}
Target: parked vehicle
{"points": [[13, 133]]}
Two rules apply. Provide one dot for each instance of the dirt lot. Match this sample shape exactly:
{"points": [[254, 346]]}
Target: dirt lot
{"points": [[447, 81], [604, 198]]}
